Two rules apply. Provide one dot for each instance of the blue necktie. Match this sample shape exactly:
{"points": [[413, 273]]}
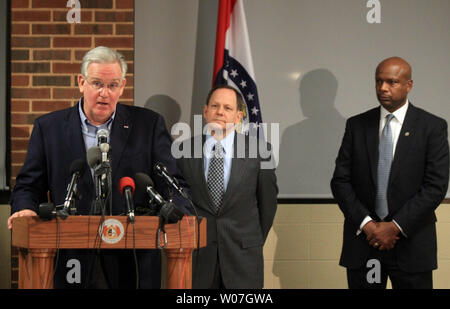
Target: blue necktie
{"points": [[384, 168]]}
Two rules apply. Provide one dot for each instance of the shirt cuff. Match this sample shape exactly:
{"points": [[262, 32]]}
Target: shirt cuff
{"points": [[364, 222], [400, 228]]}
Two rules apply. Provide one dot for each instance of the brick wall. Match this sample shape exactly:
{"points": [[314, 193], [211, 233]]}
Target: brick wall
{"points": [[46, 54]]}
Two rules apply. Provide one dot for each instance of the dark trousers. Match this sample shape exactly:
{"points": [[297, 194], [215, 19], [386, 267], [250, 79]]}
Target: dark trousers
{"points": [[383, 264]]}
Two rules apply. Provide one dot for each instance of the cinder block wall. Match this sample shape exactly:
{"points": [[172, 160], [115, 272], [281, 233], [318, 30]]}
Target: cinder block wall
{"points": [[303, 248], [46, 54]]}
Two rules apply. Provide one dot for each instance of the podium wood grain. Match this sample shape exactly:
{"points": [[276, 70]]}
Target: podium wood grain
{"points": [[38, 241]]}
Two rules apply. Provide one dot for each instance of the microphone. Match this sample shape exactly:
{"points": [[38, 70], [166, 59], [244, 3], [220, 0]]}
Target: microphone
{"points": [[145, 183], [162, 171], [76, 170], [94, 156], [168, 210], [102, 136], [126, 187], [102, 142]]}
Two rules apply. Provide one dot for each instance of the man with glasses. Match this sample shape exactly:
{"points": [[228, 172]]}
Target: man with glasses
{"points": [[138, 139]]}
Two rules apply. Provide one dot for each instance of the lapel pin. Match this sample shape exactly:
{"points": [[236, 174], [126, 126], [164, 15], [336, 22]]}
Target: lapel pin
{"points": [[407, 134], [125, 126]]}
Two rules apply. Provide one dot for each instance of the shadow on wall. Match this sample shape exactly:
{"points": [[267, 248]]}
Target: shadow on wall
{"points": [[167, 107], [308, 151], [309, 148]]}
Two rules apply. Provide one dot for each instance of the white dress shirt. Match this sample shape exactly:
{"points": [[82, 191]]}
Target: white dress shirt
{"points": [[396, 126]]}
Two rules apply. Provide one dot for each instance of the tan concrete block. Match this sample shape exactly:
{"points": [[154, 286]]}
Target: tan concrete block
{"points": [[326, 213], [441, 275], [292, 214], [327, 275], [443, 213], [270, 245], [326, 241], [291, 274], [443, 232], [269, 277], [292, 242]]}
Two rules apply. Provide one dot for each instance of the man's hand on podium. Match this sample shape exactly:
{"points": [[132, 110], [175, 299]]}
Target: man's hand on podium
{"points": [[22, 213]]}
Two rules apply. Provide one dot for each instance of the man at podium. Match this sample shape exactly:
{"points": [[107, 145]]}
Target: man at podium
{"points": [[138, 140]]}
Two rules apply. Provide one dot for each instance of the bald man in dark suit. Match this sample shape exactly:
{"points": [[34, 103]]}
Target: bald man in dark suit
{"points": [[391, 174]]}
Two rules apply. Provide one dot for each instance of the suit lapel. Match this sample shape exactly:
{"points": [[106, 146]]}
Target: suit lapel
{"points": [[75, 143], [197, 166], [121, 129], [405, 140], [238, 168], [372, 141]]}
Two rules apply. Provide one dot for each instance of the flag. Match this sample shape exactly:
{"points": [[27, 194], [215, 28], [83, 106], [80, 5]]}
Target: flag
{"points": [[233, 60]]}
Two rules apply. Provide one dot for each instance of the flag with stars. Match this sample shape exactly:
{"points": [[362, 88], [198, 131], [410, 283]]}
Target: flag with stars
{"points": [[233, 60]]}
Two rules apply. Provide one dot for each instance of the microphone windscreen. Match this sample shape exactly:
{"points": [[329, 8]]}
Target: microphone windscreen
{"points": [[78, 165], [103, 133], [94, 156], [126, 182], [143, 181]]}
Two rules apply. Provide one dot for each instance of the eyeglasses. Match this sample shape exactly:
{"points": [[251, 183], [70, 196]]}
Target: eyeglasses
{"points": [[99, 85]]}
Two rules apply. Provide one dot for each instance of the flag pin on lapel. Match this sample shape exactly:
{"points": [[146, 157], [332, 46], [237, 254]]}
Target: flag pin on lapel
{"points": [[407, 134]]}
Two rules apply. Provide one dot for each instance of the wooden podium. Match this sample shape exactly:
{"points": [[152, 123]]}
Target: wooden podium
{"points": [[38, 241]]}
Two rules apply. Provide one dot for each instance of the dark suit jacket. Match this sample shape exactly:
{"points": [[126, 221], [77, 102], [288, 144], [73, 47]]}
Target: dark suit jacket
{"points": [[139, 139], [417, 185], [236, 235]]}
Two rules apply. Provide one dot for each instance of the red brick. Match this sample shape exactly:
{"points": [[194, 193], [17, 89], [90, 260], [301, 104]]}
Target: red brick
{"points": [[30, 15], [51, 54], [30, 93], [20, 80], [66, 93], [114, 42], [19, 144], [86, 15], [127, 94], [130, 67], [45, 80], [94, 4], [20, 4], [20, 54], [124, 29], [15, 169], [79, 54], [20, 106], [21, 41], [30, 67], [61, 67], [20, 131], [49, 4], [93, 29], [20, 29], [51, 28], [23, 118], [18, 157], [128, 54], [114, 16], [49, 106], [71, 42], [124, 4]]}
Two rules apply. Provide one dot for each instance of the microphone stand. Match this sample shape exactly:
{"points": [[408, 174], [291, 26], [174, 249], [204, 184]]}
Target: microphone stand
{"points": [[102, 189]]}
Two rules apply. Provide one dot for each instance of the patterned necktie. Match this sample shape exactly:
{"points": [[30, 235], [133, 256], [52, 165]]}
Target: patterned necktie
{"points": [[384, 168], [215, 177]]}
